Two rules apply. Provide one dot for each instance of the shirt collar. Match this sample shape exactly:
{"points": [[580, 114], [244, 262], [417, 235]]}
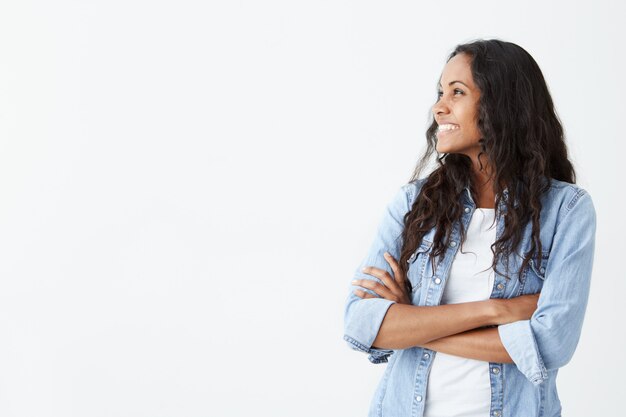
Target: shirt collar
{"points": [[468, 197]]}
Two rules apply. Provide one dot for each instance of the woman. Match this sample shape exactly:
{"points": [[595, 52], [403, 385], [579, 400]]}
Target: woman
{"points": [[475, 287]]}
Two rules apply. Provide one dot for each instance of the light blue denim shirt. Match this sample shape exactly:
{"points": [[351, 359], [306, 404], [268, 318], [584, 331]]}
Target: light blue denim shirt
{"points": [[538, 346]]}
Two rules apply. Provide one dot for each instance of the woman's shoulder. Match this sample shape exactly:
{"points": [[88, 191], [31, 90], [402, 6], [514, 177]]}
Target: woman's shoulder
{"points": [[560, 195], [412, 188], [564, 194]]}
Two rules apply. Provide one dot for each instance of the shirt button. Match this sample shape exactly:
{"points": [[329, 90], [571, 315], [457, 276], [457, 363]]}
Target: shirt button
{"points": [[495, 370], [500, 286], [418, 398], [496, 413], [437, 280], [453, 243], [467, 209], [542, 270], [426, 355]]}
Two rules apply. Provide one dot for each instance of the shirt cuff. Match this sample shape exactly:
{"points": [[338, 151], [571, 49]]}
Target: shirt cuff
{"points": [[360, 333], [519, 341]]}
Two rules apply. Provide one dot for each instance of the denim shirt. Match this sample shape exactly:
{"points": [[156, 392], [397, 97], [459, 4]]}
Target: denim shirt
{"points": [[538, 346]]}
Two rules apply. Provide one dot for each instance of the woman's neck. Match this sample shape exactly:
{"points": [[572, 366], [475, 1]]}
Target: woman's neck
{"points": [[486, 195]]}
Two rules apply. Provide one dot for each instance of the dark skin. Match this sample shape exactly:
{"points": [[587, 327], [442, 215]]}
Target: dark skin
{"points": [[456, 107], [481, 344]]}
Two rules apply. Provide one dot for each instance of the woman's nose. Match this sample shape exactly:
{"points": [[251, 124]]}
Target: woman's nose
{"points": [[440, 107]]}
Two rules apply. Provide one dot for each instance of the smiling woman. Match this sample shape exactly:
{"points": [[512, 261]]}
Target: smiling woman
{"points": [[475, 286], [456, 110]]}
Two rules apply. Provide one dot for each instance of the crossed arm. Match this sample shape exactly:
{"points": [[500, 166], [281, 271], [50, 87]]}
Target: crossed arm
{"points": [[541, 339], [483, 344], [447, 330], [461, 329]]}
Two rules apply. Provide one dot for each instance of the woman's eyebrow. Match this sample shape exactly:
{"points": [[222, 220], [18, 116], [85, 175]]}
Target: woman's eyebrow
{"points": [[452, 82]]}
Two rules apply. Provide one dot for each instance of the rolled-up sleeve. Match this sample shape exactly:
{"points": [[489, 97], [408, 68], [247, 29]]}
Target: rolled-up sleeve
{"points": [[363, 316], [547, 340]]}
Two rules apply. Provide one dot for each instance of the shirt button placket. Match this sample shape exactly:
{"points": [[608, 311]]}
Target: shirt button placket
{"points": [[411, 258], [498, 381]]}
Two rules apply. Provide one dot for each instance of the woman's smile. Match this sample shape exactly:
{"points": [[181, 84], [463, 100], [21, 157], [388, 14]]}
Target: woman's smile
{"points": [[457, 105], [447, 129]]}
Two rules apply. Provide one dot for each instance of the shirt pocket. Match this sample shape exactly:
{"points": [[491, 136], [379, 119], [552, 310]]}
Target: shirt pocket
{"points": [[417, 267], [534, 274]]}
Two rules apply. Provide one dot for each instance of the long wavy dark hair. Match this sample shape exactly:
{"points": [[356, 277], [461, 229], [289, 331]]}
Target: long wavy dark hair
{"points": [[522, 140]]}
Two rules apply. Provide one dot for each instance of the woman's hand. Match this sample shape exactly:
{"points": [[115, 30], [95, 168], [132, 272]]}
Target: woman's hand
{"points": [[394, 287]]}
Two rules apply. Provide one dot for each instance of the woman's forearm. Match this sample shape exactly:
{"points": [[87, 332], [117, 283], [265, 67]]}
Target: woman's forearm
{"points": [[406, 325], [481, 344]]}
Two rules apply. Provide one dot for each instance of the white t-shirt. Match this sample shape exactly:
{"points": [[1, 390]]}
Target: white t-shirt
{"points": [[457, 386]]}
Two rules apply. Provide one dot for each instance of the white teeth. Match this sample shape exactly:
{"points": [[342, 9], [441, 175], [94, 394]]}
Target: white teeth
{"points": [[448, 127]]}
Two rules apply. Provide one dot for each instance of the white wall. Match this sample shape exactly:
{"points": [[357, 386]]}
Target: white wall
{"points": [[186, 188]]}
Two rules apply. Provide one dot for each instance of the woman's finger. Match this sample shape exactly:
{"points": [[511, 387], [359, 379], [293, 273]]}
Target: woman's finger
{"points": [[363, 294], [397, 274], [384, 276], [378, 288], [402, 287]]}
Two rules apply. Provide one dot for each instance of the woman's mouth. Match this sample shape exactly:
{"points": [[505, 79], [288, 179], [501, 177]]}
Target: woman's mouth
{"points": [[446, 129]]}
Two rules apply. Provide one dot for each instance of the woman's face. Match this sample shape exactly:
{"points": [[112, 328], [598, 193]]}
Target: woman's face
{"points": [[457, 106]]}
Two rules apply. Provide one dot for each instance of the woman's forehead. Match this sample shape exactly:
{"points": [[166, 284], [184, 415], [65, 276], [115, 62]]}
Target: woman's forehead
{"points": [[458, 68]]}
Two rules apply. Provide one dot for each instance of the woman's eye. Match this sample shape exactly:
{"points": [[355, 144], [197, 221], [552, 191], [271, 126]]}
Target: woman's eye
{"points": [[456, 90]]}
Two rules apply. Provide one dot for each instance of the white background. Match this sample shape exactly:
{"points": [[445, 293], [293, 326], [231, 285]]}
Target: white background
{"points": [[186, 188]]}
